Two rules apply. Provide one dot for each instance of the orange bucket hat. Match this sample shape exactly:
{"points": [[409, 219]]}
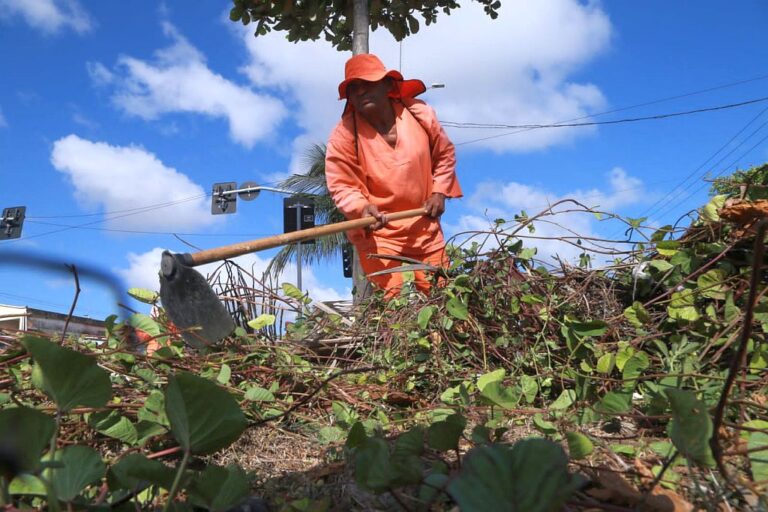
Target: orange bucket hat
{"points": [[368, 67]]}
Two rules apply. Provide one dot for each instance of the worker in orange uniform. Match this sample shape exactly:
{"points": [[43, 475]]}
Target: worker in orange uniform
{"points": [[387, 154]]}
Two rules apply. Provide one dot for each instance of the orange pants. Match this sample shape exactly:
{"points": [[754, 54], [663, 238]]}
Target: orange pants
{"points": [[392, 283]]}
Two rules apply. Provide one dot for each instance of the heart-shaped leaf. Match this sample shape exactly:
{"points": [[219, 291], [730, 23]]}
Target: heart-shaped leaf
{"points": [[532, 476], [80, 466], [135, 471], [444, 435], [691, 426], [579, 445], [24, 434], [113, 424], [69, 378], [457, 309], [262, 321], [204, 417], [373, 470], [219, 488]]}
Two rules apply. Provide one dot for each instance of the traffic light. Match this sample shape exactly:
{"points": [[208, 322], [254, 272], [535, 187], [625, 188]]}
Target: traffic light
{"points": [[347, 257], [11, 222]]}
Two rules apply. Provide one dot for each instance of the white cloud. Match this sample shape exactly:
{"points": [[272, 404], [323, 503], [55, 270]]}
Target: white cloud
{"points": [[142, 272], [99, 73], [178, 80], [493, 200], [133, 181], [511, 70], [50, 16], [3, 122]]}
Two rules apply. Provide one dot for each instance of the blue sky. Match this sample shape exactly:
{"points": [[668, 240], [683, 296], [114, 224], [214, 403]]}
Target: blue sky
{"points": [[115, 122]]}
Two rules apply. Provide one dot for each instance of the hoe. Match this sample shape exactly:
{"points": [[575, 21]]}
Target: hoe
{"points": [[190, 301]]}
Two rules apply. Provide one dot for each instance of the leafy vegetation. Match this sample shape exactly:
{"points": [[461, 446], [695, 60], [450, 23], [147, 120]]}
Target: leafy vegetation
{"points": [[309, 20], [640, 385]]}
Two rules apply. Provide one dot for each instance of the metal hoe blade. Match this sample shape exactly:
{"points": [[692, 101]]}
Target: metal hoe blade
{"points": [[190, 302]]}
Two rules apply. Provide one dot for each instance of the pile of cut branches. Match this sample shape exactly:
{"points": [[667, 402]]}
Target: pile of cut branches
{"points": [[516, 385]]}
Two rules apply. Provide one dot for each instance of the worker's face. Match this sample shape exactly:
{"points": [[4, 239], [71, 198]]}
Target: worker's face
{"points": [[368, 97]]}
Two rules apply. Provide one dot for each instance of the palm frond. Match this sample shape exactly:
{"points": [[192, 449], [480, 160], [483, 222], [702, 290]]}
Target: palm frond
{"points": [[324, 248], [312, 182]]}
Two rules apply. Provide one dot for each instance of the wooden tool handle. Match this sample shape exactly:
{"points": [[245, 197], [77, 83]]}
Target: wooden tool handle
{"points": [[238, 249]]}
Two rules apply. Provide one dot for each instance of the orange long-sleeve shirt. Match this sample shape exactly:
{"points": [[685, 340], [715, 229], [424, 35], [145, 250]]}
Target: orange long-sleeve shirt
{"points": [[423, 161]]}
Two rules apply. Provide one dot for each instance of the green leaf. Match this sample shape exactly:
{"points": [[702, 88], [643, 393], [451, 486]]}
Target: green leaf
{"points": [[219, 488], [566, 399], [356, 436], [69, 378], [146, 430], [681, 306], [410, 442], [605, 363], [579, 445], [134, 471], [80, 467], [144, 295], [691, 426], [425, 315], [636, 222], [373, 470], [204, 417], [113, 424], [661, 266], [28, 485], [731, 310], [262, 321], [153, 409], [504, 396], [590, 328], [635, 366], [545, 427], [145, 323], [532, 476], [527, 253], [330, 434], [457, 309], [667, 247], [615, 402], [637, 314], [258, 394], [711, 283], [758, 459], [225, 373], [487, 378], [293, 292], [530, 387], [444, 435], [709, 212], [25, 433]]}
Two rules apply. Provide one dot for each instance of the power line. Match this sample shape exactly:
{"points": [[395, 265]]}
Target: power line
{"points": [[140, 209], [139, 232], [452, 124], [638, 105], [677, 191], [735, 162]]}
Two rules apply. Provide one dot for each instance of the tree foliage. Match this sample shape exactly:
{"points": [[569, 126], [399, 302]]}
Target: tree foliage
{"points": [[309, 20]]}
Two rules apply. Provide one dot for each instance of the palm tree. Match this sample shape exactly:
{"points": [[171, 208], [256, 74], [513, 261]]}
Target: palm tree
{"points": [[312, 183], [326, 247]]}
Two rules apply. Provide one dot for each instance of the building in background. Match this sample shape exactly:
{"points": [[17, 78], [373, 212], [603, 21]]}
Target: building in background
{"points": [[26, 319]]}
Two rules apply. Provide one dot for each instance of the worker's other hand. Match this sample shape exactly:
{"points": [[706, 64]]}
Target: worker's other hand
{"points": [[370, 210], [435, 205]]}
